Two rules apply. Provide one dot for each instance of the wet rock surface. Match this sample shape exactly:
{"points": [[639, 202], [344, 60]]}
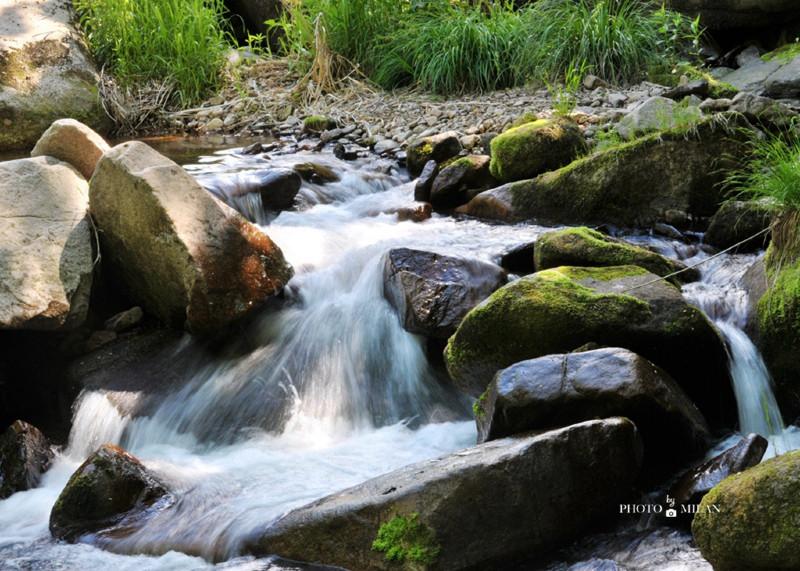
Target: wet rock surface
{"points": [[25, 455]]}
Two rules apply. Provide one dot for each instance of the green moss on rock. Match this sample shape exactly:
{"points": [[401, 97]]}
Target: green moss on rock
{"points": [[318, 123], [533, 148], [405, 539], [750, 520], [583, 246]]}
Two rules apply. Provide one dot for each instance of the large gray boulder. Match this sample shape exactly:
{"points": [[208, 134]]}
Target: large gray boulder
{"points": [[25, 455], [474, 509], [724, 14], [776, 74], [45, 72], [110, 486], [46, 257], [558, 390], [432, 293], [560, 310], [185, 256]]}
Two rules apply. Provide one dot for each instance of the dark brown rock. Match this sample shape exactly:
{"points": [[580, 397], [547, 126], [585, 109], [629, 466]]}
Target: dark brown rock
{"points": [[422, 188], [25, 455], [437, 148], [461, 179]]}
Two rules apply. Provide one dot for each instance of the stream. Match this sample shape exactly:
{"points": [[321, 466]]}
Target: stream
{"points": [[334, 391]]}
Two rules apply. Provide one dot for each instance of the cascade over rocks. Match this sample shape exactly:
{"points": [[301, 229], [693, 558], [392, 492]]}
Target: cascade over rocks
{"points": [[432, 293], [45, 73], [47, 260], [558, 390], [108, 488], [690, 488], [558, 310], [749, 520], [533, 148], [185, 256], [633, 184], [499, 501], [277, 189], [585, 247], [25, 455]]}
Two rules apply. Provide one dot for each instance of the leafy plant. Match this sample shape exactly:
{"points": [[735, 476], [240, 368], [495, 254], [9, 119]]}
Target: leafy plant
{"points": [[405, 538], [181, 41]]}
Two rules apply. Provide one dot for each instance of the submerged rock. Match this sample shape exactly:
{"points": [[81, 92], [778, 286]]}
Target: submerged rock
{"points": [[557, 390], [558, 310], [432, 293], [749, 520], [45, 73], [47, 259], [316, 173], [690, 488], [533, 148], [25, 455], [585, 247], [188, 258], [108, 488], [634, 184], [739, 220], [73, 142], [438, 148], [461, 179], [474, 509]]}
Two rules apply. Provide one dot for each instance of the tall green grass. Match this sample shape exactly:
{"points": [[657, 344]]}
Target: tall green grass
{"points": [[181, 41], [449, 46], [772, 171]]}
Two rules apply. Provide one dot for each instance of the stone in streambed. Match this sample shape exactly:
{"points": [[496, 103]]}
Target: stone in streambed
{"points": [[690, 488], [750, 520], [459, 180], [432, 293], [479, 508], [533, 148], [422, 187], [558, 390], [73, 142], [558, 310], [110, 486], [738, 220], [437, 148], [520, 259], [585, 247], [47, 260], [186, 257], [25, 455]]}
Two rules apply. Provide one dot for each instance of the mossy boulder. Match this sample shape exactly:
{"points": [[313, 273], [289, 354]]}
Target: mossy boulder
{"points": [[439, 148], [533, 148], [738, 220], [318, 123], [45, 74], [108, 487], [485, 507], [632, 184], [585, 247], [751, 520], [460, 180], [186, 257], [558, 310]]}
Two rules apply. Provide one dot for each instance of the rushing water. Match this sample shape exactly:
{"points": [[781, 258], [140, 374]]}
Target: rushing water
{"points": [[334, 392]]}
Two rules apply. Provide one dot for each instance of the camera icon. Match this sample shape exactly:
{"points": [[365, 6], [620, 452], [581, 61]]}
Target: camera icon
{"points": [[671, 513]]}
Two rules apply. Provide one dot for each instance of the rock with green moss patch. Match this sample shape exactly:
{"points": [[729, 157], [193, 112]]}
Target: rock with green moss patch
{"points": [[558, 310], [533, 148], [632, 184], [108, 488], [318, 123], [481, 508], [439, 148], [657, 114], [585, 247], [185, 257], [750, 520], [45, 74], [460, 180]]}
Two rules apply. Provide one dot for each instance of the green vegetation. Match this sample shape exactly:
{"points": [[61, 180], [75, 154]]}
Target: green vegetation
{"points": [[180, 41], [449, 46], [318, 123], [406, 539], [772, 171], [784, 53]]}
